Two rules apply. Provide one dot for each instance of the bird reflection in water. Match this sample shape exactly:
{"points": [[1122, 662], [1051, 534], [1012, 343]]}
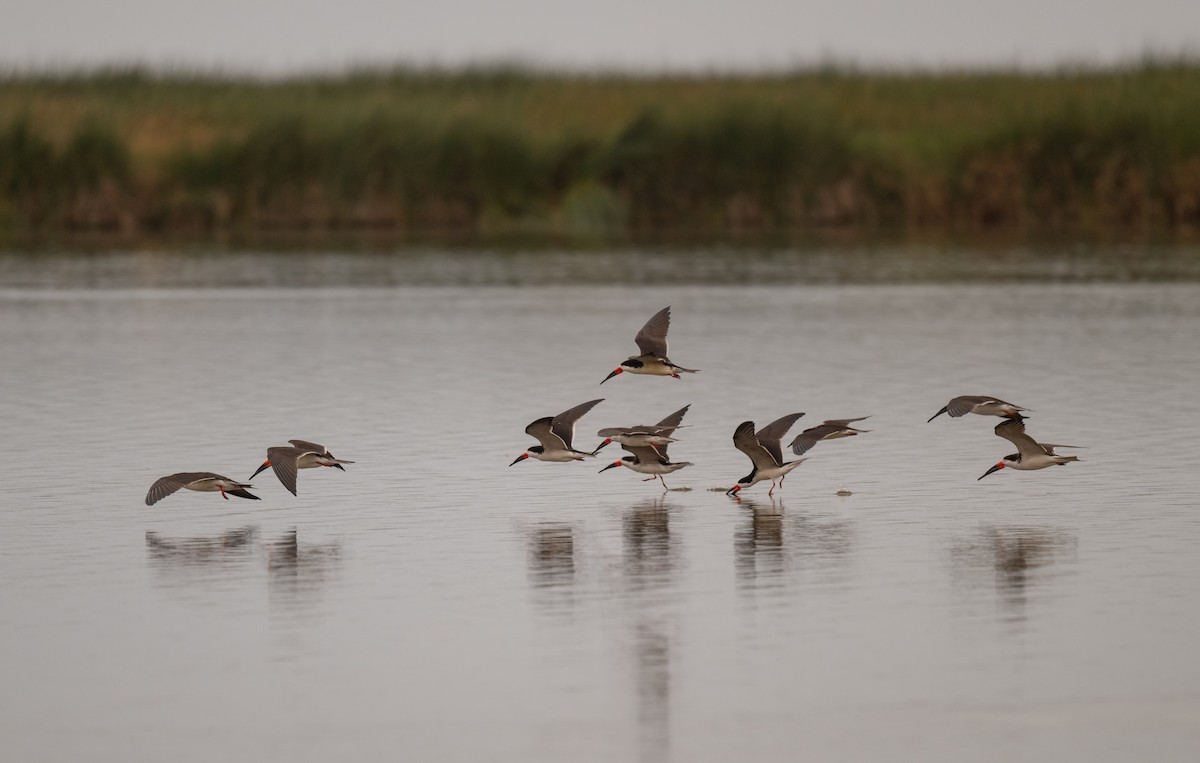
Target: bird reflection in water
{"points": [[1017, 558], [551, 552], [649, 553], [182, 554], [649, 562], [296, 572], [772, 542]]}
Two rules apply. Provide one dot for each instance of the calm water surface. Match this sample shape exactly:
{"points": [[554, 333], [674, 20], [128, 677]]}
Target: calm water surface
{"points": [[432, 603]]}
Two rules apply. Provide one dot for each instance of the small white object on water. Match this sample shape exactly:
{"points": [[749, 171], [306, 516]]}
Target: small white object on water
{"points": [[843, 490]]}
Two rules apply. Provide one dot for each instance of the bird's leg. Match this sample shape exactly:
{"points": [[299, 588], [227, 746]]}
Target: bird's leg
{"points": [[649, 479], [676, 376], [222, 492], [660, 479], [771, 492]]}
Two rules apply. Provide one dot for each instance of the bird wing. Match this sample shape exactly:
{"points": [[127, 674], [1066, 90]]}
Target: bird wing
{"points": [[541, 431], [614, 431], [672, 422], [164, 486], [284, 463], [843, 423], [652, 339], [648, 454], [562, 426], [962, 405], [1049, 447], [311, 447], [1013, 430], [745, 440], [772, 433], [810, 437]]}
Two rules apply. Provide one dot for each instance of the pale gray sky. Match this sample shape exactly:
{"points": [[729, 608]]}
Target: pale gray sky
{"points": [[274, 36]]}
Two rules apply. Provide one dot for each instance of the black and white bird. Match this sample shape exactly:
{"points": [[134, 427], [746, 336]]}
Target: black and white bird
{"points": [[982, 405], [203, 482], [649, 459], [301, 455], [555, 433], [765, 454], [645, 435], [652, 342], [830, 429], [1030, 454]]}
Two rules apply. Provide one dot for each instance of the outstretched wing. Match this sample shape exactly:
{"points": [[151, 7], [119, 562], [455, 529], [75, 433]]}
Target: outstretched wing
{"points": [[672, 422], [166, 485], [284, 463], [772, 433], [649, 454], [1013, 430], [745, 440], [541, 431], [843, 423], [652, 339], [311, 447], [808, 438], [964, 404], [562, 426]]}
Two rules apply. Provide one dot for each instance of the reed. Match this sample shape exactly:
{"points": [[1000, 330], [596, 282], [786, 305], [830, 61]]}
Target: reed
{"points": [[504, 148]]}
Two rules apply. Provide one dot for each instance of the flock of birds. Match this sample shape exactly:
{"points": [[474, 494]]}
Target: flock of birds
{"points": [[647, 444]]}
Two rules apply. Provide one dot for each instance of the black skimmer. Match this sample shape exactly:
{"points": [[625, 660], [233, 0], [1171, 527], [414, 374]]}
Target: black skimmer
{"points": [[642, 436], [1030, 454], [831, 429], [764, 452], [982, 405], [555, 434], [302, 455], [649, 459], [204, 482], [652, 341]]}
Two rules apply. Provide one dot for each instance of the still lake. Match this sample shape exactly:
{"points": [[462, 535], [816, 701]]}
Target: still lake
{"points": [[432, 603]]}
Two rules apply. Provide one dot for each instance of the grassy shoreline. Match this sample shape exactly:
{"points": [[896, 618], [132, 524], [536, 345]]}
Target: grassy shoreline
{"points": [[503, 151]]}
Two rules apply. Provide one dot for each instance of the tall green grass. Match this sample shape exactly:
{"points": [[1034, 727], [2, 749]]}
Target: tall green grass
{"points": [[504, 148]]}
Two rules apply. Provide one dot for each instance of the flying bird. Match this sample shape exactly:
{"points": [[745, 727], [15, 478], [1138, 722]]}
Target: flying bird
{"points": [[764, 452], [649, 459], [554, 433], [302, 455], [204, 482], [642, 436], [652, 342], [1030, 453], [982, 405], [831, 429]]}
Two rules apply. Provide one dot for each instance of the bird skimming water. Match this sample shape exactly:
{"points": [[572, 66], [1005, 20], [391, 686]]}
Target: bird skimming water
{"points": [[1030, 453], [764, 452]]}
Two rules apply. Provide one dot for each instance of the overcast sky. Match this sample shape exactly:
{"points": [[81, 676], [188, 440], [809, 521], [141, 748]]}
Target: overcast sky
{"points": [[275, 36]]}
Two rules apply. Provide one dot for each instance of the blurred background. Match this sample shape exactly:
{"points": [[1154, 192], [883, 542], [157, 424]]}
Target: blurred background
{"points": [[600, 120]]}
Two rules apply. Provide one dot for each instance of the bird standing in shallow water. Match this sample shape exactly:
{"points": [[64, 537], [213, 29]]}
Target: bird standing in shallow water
{"points": [[982, 405], [204, 482], [652, 342], [302, 455], [764, 452], [555, 434], [1030, 453]]}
